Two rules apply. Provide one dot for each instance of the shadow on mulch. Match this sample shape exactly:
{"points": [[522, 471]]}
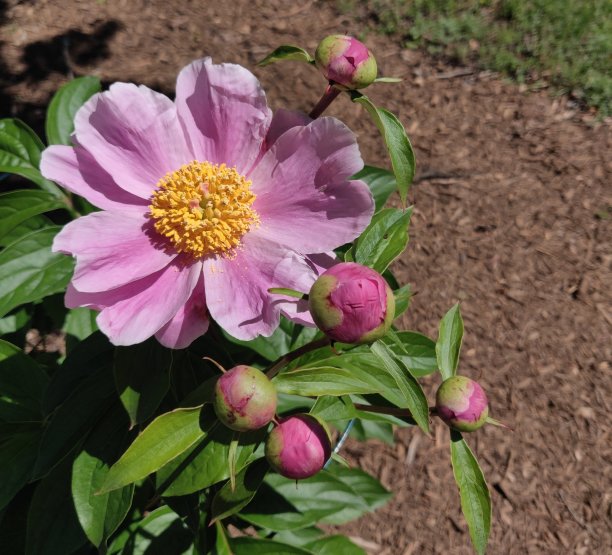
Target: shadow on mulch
{"points": [[60, 54]]}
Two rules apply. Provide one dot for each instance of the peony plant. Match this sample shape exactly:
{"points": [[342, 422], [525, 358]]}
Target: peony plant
{"points": [[169, 240]]}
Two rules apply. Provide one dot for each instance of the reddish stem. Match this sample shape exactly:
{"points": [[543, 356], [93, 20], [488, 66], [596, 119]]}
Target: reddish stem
{"points": [[328, 97], [292, 355], [393, 411]]}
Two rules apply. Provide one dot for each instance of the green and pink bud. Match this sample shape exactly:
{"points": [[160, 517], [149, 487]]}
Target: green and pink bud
{"points": [[352, 303], [462, 404], [345, 61], [245, 399], [298, 447]]}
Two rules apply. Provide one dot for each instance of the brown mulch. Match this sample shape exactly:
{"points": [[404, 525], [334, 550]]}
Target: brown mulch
{"points": [[512, 217]]}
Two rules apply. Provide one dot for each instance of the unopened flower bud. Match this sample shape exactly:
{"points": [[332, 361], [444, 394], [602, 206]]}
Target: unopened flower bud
{"points": [[245, 399], [346, 61], [462, 404], [298, 447], [352, 303]]}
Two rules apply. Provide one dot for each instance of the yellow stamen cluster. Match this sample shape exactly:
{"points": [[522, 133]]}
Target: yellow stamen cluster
{"points": [[204, 209]]}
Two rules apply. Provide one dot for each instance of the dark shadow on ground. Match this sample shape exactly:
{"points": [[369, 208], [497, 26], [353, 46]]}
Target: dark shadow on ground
{"points": [[68, 53], [63, 52]]}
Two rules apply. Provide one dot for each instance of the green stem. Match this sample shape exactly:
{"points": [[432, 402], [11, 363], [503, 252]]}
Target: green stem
{"points": [[288, 292], [275, 368]]}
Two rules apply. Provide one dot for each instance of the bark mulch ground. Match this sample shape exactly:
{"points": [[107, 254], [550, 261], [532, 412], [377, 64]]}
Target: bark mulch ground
{"points": [[512, 217]]}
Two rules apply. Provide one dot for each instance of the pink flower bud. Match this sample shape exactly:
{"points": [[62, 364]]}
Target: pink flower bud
{"points": [[462, 404], [298, 447], [352, 303], [346, 61], [245, 399]]}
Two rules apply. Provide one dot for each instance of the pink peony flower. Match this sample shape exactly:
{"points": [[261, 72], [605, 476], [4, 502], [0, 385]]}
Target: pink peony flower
{"points": [[298, 447], [245, 399], [462, 404], [346, 61], [352, 303], [207, 202]]}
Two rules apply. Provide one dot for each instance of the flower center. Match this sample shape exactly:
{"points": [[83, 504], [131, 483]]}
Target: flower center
{"points": [[204, 209]]}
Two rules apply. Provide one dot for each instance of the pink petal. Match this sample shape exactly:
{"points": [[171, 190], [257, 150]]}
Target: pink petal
{"points": [[148, 304], [224, 112], [77, 170], [237, 289], [282, 121], [134, 134], [296, 309], [322, 261], [304, 197], [190, 322], [111, 250], [75, 299]]}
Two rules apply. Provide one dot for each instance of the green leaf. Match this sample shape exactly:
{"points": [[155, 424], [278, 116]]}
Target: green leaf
{"points": [[402, 299], [334, 545], [64, 105], [285, 515], [301, 335], [74, 418], [286, 52], [299, 537], [331, 497], [367, 488], [164, 439], [142, 376], [252, 546], [390, 279], [268, 347], [228, 502], [381, 182], [19, 452], [13, 522], [448, 345], [388, 80], [382, 424], [414, 398], [80, 323], [357, 371], [89, 356], [222, 544], [18, 206], [202, 395], [475, 497], [415, 350], [396, 140], [332, 409], [161, 532], [206, 463], [100, 515], [383, 240], [232, 461], [22, 385], [20, 150], [293, 403], [53, 528], [364, 429], [15, 321], [327, 380], [29, 270], [24, 228]]}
